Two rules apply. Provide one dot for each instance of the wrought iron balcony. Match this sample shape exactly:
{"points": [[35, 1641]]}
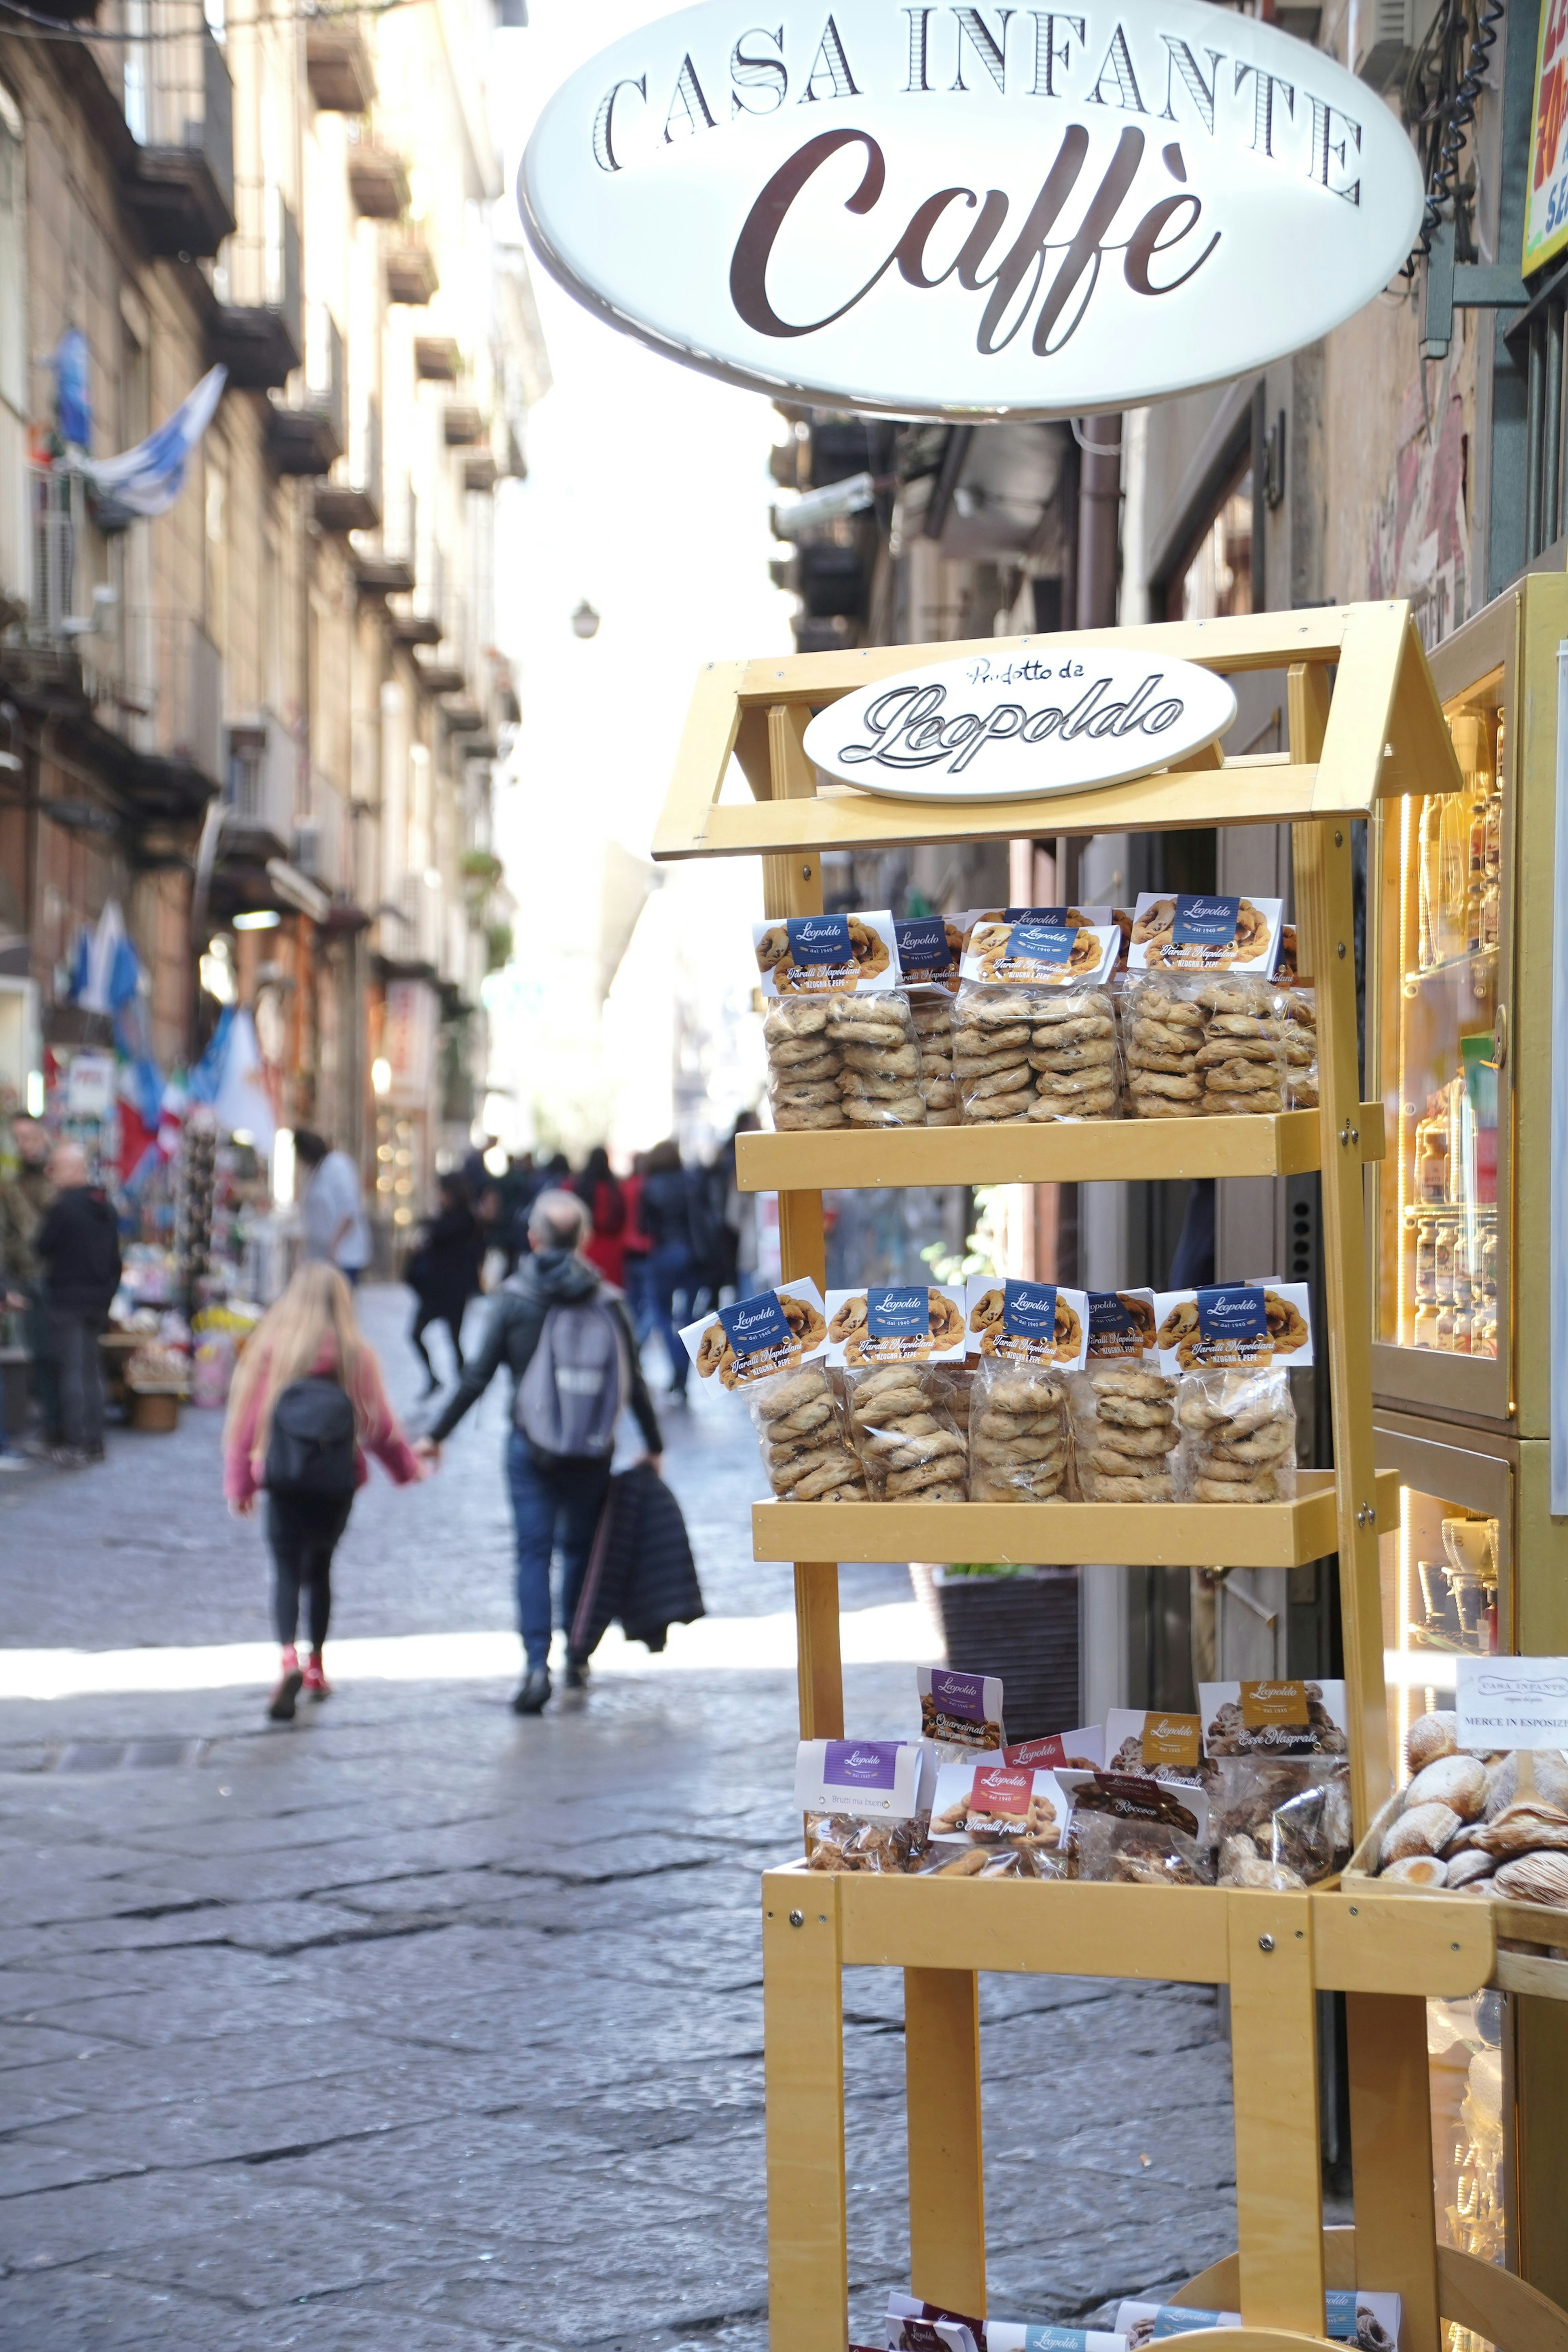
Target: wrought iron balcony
{"points": [[350, 498], [178, 103], [305, 433], [257, 327]]}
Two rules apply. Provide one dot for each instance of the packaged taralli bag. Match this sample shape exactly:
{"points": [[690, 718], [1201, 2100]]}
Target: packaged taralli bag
{"points": [[1125, 1431], [840, 1040], [959, 1710], [1231, 1343], [1298, 1009], [998, 1803], [1034, 1026], [1205, 931], [1032, 1334], [1130, 1830], [1278, 1773], [929, 949], [1201, 1048], [899, 1344], [1354, 2315], [865, 1802], [771, 1349], [1154, 1743], [1277, 1718]]}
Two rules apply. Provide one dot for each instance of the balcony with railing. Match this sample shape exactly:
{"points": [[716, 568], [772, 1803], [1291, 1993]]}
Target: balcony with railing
{"points": [[178, 104], [351, 497], [257, 326], [390, 569], [323, 841], [413, 277], [260, 789], [305, 429], [378, 180], [154, 679], [337, 65]]}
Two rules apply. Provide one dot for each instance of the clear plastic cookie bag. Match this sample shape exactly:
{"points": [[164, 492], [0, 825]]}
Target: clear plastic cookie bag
{"points": [[929, 950], [1034, 1028], [1125, 1430], [1021, 1441], [1242, 1060], [805, 1445], [879, 1051], [1239, 1436], [804, 1066], [905, 1434]]}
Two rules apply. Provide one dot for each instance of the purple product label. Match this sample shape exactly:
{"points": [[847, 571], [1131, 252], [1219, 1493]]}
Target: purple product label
{"points": [[1204, 921], [1043, 943], [922, 945], [1029, 1308], [753, 1323], [959, 1694], [898, 1311], [1232, 1311], [860, 1763], [819, 938]]}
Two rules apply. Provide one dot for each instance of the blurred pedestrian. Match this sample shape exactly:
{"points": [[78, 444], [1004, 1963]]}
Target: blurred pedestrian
{"points": [[23, 1200], [664, 1210], [306, 1406], [635, 1251], [516, 1189], [600, 1192], [444, 1272], [573, 1370], [78, 1244], [331, 1207]]}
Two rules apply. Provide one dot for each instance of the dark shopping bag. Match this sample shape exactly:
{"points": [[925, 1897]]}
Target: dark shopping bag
{"points": [[640, 1570]]}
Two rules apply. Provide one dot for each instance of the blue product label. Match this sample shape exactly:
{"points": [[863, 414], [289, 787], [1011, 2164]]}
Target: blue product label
{"points": [[1055, 2340], [1110, 1317], [896, 1311], [860, 1763], [819, 938], [1172, 2320], [1029, 1310], [1341, 2301], [1053, 918], [1232, 1311], [963, 1696], [753, 1323], [1203, 920], [1043, 943], [923, 945]]}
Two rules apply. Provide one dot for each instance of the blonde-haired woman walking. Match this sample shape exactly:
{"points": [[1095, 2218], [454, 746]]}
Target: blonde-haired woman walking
{"points": [[305, 1407]]}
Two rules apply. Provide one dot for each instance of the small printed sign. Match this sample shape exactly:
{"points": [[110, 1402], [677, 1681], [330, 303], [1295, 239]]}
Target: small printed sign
{"points": [[1264, 1704], [773, 1331], [878, 1779], [1172, 1740], [1121, 1325], [1028, 1322], [894, 1323], [823, 955], [1512, 1702], [964, 1710], [929, 947], [1205, 931]]}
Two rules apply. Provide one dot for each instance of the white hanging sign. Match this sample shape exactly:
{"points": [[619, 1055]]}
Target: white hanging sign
{"points": [[1021, 725], [976, 211]]}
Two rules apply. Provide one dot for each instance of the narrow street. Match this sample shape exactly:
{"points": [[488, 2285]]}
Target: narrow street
{"points": [[415, 2026]]}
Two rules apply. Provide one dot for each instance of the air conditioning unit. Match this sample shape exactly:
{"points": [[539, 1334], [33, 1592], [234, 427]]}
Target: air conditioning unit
{"points": [[1394, 31], [308, 855]]}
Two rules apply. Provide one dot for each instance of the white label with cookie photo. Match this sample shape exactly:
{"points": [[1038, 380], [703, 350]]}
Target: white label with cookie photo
{"points": [[896, 1323], [1028, 1322], [1121, 1325], [1204, 930], [1276, 1717], [777, 1331], [1057, 954], [827, 955], [1224, 1324], [984, 1805]]}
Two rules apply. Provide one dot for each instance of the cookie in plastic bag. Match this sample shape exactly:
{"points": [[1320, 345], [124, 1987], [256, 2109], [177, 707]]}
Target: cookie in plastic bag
{"points": [[1239, 1430], [806, 1451]]}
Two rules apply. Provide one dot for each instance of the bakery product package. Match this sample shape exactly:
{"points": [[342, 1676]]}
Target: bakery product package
{"points": [[1367, 2317], [1232, 1345], [898, 1346], [840, 1040], [1032, 1336], [959, 1710], [1044, 2336], [1278, 1717], [929, 949], [1278, 1774], [1154, 1743], [1205, 931], [1034, 1027], [1124, 1432], [912, 2325], [865, 1802], [1130, 1830], [1199, 1047], [1083, 1749], [771, 1350], [997, 1803]]}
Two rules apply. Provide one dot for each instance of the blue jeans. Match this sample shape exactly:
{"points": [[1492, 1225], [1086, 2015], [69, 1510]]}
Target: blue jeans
{"points": [[564, 1498], [669, 1276]]}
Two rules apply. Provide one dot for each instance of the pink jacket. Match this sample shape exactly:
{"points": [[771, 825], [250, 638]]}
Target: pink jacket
{"points": [[380, 1434]]}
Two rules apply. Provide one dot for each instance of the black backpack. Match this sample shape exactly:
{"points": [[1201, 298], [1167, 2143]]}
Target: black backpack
{"points": [[311, 1450]]}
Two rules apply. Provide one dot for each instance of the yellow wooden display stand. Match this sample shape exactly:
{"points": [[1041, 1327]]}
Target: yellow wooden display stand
{"points": [[1365, 724]]}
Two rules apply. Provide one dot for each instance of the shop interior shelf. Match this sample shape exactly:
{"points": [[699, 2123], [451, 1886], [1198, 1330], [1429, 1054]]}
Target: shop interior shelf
{"points": [[1046, 1534], [1358, 1941], [1062, 1152]]}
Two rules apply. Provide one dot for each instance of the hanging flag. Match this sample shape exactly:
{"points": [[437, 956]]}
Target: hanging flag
{"points": [[148, 479], [73, 404], [232, 1077]]}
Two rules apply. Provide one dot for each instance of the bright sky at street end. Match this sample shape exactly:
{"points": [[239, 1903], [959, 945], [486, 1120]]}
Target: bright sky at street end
{"points": [[648, 494]]}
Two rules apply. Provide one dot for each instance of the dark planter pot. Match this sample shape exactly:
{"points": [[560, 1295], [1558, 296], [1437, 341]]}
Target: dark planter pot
{"points": [[1025, 1629]]}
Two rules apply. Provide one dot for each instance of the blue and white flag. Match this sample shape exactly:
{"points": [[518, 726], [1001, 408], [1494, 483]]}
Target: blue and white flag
{"points": [[148, 479]]}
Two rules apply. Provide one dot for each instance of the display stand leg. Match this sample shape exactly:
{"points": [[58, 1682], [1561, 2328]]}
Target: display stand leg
{"points": [[946, 2193], [1391, 2157], [817, 1667], [803, 2032], [1274, 2065]]}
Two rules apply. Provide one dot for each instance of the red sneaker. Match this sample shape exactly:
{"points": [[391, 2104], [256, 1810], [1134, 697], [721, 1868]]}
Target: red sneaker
{"points": [[280, 1706], [316, 1682]]}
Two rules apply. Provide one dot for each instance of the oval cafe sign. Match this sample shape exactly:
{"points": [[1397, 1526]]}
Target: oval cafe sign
{"points": [[971, 211], [1019, 725]]}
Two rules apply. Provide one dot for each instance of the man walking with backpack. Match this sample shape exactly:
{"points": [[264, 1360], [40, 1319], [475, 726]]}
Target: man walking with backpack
{"points": [[565, 1334]]}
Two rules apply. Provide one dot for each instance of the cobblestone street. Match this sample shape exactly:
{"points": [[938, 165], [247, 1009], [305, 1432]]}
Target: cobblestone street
{"points": [[415, 2027]]}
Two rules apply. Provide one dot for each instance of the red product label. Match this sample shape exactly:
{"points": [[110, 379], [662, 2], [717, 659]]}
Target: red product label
{"points": [[994, 1790], [1043, 1753]]}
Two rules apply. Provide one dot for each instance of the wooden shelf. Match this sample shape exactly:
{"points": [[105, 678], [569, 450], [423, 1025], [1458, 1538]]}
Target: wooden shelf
{"points": [[1360, 1941], [1067, 1535], [1119, 1151]]}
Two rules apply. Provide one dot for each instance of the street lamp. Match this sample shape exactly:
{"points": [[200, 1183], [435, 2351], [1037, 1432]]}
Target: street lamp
{"points": [[585, 621]]}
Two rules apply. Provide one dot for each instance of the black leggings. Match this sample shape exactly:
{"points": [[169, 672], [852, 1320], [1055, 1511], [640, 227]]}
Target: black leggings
{"points": [[303, 1536], [426, 1315]]}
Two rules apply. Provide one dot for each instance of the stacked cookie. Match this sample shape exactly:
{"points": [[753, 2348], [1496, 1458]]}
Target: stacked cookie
{"points": [[804, 1450], [1125, 1434], [906, 1439], [1018, 1435], [1240, 1437], [803, 1064], [1161, 1037], [1035, 1053], [931, 1010], [1242, 1057], [1203, 1046], [1074, 1056], [1299, 1014], [877, 1042]]}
